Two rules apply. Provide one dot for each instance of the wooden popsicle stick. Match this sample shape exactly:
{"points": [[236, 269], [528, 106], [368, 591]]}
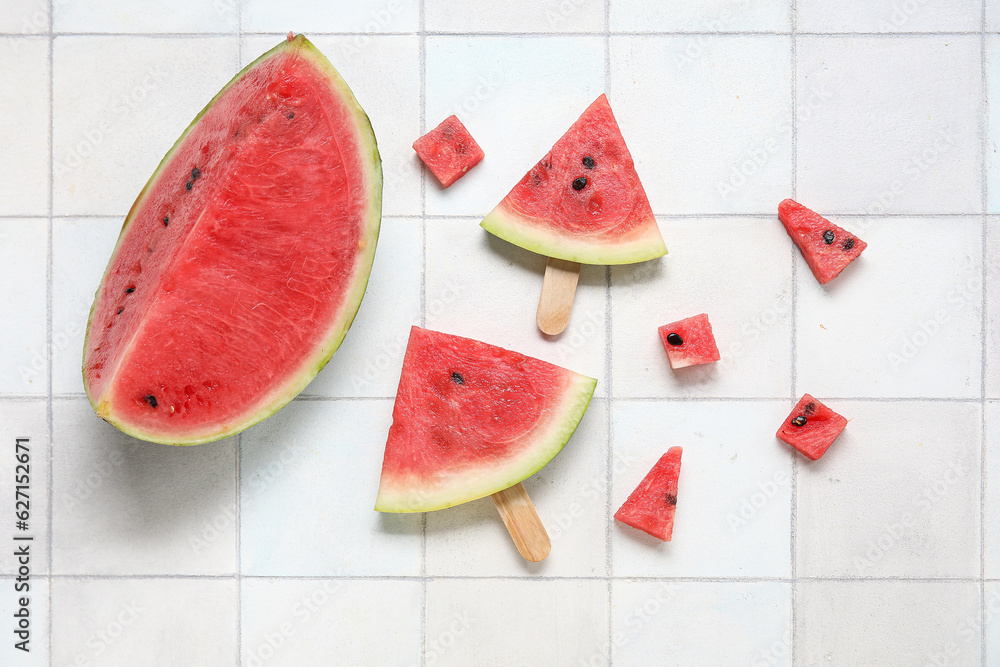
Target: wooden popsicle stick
{"points": [[522, 522], [558, 290]]}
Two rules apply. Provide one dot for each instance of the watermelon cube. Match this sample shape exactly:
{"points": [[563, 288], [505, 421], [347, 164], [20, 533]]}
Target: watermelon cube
{"points": [[449, 150], [811, 427], [827, 248], [689, 342], [651, 506]]}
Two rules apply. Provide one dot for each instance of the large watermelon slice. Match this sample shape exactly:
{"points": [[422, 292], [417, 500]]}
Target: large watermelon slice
{"points": [[582, 202], [652, 505], [244, 259], [827, 248], [472, 419]]}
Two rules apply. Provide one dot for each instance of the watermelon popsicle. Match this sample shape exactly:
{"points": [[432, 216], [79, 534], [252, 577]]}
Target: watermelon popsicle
{"points": [[582, 203]]}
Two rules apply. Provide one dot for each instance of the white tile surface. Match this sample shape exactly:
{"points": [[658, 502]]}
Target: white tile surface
{"points": [[993, 120], [517, 16], [888, 16], [991, 538], [307, 622], [701, 17], [992, 342], [708, 119], [123, 16], [887, 622], [923, 340], [734, 492], [855, 518], [992, 624], [570, 495], [154, 622], [390, 100], [992, 15], [24, 134], [110, 132], [364, 16], [310, 477], [889, 124], [126, 507], [482, 287], [23, 295], [705, 273], [25, 419], [503, 88], [515, 622], [701, 623], [30, 17], [38, 619]]}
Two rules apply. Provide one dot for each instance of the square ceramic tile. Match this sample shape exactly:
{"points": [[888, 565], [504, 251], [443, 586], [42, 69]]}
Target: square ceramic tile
{"points": [[30, 649], [992, 15], [482, 287], [23, 297], [110, 132], [152, 622], [893, 501], [371, 356], [306, 622], [310, 476], [24, 486], [705, 17], [701, 623], [992, 342], [705, 272], [889, 124], [29, 17], [24, 134], [888, 16], [734, 493], [364, 16], [504, 89], [993, 121], [515, 622], [125, 16], [391, 99], [81, 248], [886, 623], [126, 507], [992, 537], [893, 325], [570, 495], [517, 16], [992, 623], [721, 140]]}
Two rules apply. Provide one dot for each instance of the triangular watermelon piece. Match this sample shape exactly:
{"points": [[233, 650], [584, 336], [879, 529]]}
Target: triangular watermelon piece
{"points": [[827, 248], [583, 201], [811, 427], [472, 419], [651, 506]]}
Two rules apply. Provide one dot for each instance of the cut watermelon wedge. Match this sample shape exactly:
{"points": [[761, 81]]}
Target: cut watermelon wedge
{"points": [[582, 202], [472, 419], [827, 248], [811, 427], [242, 263], [651, 506], [689, 342], [448, 150]]}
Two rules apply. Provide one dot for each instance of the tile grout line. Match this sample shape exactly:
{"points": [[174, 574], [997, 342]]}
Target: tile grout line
{"points": [[984, 197], [539, 34], [238, 520], [48, 316], [422, 33], [793, 518], [609, 391]]}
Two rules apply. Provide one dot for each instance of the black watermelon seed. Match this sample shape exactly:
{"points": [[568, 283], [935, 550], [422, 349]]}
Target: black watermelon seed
{"points": [[151, 400], [166, 220], [588, 162], [674, 339], [580, 183], [129, 290], [671, 499], [457, 378], [799, 421], [809, 409], [189, 184], [195, 173], [290, 116], [120, 310], [848, 244], [828, 236]]}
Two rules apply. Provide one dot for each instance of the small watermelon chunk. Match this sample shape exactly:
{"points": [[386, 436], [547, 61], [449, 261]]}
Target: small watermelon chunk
{"points": [[472, 419], [651, 506], [689, 342], [811, 427], [827, 248], [449, 150]]}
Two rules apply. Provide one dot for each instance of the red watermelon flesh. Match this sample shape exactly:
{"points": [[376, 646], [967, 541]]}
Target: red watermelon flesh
{"points": [[244, 259], [471, 419], [689, 342], [449, 150], [811, 427], [651, 506], [827, 248], [583, 201]]}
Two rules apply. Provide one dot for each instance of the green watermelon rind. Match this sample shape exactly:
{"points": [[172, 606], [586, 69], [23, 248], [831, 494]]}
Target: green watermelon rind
{"points": [[278, 399], [526, 232], [484, 482]]}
